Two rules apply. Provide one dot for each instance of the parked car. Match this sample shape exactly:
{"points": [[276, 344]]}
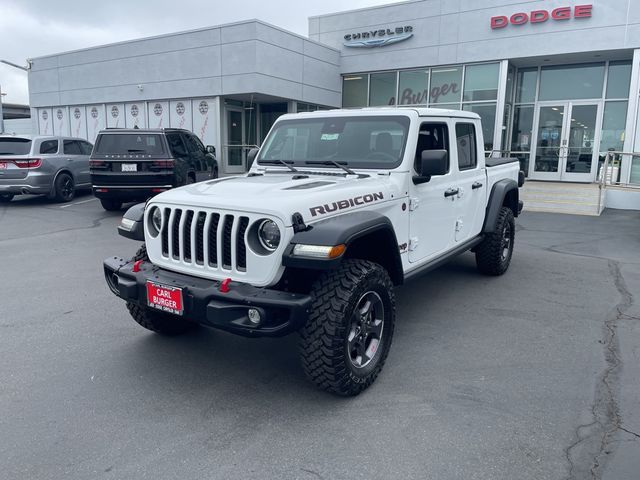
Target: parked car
{"points": [[338, 209], [53, 166], [135, 164]]}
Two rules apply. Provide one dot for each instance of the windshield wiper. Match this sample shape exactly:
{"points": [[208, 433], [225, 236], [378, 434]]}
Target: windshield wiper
{"points": [[280, 162], [341, 165]]}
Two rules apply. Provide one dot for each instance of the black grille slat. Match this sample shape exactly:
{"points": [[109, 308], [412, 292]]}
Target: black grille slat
{"points": [[226, 241], [241, 248], [165, 233], [176, 233], [186, 233], [213, 240], [200, 237]]}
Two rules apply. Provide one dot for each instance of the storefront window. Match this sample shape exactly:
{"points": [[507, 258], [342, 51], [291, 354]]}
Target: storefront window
{"points": [[618, 80], [527, 80], [522, 128], [487, 112], [447, 106], [382, 89], [571, 82], [613, 126], [446, 85], [414, 87], [521, 135], [481, 82], [354, 91]]}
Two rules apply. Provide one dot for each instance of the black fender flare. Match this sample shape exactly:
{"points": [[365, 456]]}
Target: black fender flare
{"points": [[136, 230], [500, 191], [348, 229]]}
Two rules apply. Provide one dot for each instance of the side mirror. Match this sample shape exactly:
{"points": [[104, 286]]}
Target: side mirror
{"points": [[211, 149], [251, 156], [432, 163]]}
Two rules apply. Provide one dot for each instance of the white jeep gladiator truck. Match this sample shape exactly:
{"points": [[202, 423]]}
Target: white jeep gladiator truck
{"points": [[338, 208]]}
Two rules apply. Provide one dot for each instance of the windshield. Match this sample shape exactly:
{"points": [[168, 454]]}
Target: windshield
{"points": [[126, 143], [15, 146], [359, 142]]}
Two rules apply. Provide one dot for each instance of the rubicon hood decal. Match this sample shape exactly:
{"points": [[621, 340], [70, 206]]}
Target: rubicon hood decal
{"points": [[348, 203]]}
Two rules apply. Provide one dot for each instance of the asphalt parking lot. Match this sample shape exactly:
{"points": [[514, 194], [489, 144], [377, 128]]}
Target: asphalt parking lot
{"points": [[532, 375]]}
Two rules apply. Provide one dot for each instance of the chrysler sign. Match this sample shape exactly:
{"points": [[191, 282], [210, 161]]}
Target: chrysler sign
{"points": [[378, 38], [540, 16]]}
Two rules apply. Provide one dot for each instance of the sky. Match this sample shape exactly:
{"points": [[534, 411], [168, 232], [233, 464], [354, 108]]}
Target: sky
{"points": [[32, 28]]}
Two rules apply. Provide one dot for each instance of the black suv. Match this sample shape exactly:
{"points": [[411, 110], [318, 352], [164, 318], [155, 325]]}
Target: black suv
{"points": [[130, 165]]}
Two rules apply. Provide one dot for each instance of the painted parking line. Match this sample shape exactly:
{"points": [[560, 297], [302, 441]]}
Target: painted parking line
{"points": [[78, 203]]}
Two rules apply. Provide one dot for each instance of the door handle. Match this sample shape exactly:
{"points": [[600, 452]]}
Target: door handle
{"points": [[451, 192], [476, 185]]}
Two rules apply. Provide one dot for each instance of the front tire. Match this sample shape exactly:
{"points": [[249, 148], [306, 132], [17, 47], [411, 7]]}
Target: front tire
{"points": [[64, 189], [110, 205], [493, 255], [346, 339]]}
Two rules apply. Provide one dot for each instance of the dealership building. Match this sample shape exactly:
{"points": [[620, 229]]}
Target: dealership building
{"points": [[556, 82]]}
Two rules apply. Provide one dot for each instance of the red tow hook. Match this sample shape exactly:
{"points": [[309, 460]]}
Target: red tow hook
{"points": [[224, 286], [136, 266]]}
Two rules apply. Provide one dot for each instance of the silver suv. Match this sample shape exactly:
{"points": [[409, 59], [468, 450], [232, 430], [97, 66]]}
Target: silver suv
{"points": [[53, 166]]}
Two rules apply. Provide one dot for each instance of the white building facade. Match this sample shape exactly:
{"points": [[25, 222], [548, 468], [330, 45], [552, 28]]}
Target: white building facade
{"points": [[555, 81]]}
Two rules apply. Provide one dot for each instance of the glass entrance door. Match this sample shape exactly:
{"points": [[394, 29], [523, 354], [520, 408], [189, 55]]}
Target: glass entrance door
{"points": [[566, 142], [235, 149]]}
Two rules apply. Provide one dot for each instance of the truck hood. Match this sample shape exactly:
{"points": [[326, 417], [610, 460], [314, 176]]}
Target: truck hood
{"points": [[282, 194]]}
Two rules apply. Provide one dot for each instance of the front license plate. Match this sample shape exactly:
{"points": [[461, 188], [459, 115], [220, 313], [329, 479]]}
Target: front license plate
{"points": [[167, 299], [129, 167]]}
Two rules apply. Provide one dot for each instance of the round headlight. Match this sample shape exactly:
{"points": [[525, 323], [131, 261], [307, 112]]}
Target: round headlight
{"points": [[156, 219], [269, 235]]}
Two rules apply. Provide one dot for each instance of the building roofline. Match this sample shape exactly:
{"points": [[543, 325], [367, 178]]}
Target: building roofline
{"points": [[186, 32], [374, 7]]}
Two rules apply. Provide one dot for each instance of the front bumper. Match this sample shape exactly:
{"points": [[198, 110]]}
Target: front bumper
{"points": [[204, 303]]}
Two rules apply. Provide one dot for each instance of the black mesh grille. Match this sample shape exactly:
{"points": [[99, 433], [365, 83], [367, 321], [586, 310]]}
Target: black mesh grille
{"points": [[186, 231], [165, 233], [241, 249], [213, 240], [200, 237], [226, 241], [175, 234]]}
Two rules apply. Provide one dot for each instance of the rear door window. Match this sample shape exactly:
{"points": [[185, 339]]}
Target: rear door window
{"points": [[176, 144], [467, 149], [192, 145], [71, 147], [129, 143], [15, 146], [49, 147], [86, 148]]}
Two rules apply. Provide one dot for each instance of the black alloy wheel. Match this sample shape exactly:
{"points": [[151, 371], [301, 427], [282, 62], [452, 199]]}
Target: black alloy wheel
{"points": [[64, 188], [367, 327]]}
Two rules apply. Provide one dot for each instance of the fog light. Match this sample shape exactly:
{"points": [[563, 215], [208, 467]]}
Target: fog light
{"points": [[254, 316]]}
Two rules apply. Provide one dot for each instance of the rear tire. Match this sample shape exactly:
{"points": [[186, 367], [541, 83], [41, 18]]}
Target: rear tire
{"points": [[156, 321], [346, 339], [493, 255], [64, 188], [6, 197], [110, 205]]}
